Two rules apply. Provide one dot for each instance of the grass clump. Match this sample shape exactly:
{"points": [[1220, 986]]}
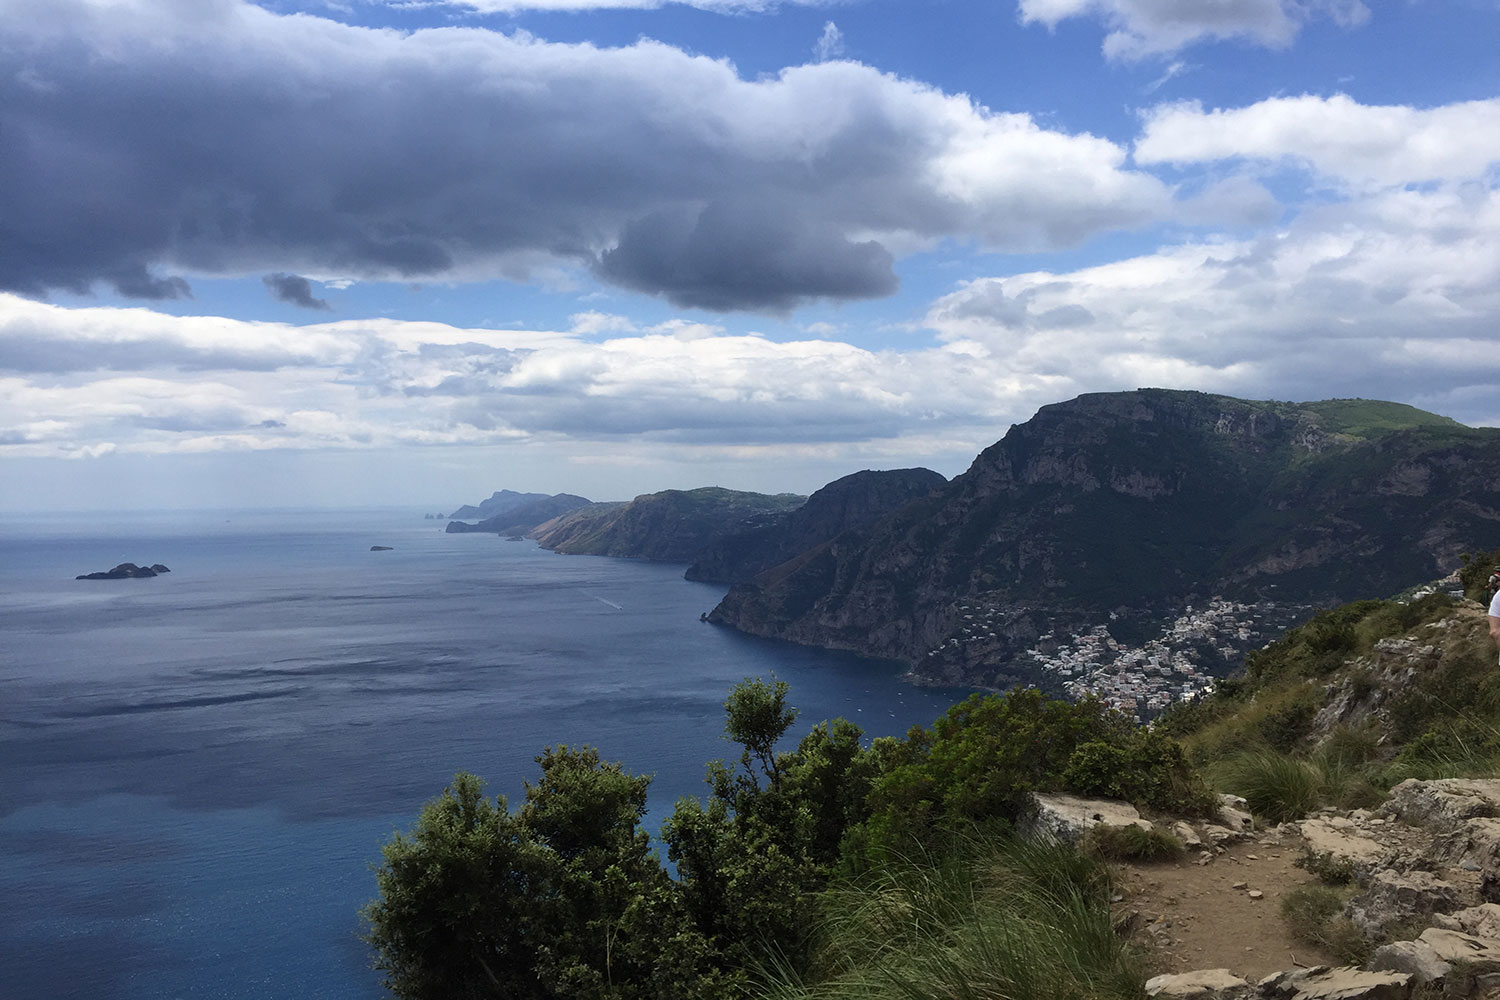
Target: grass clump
{"points": [[1276, 786], [1000, 919], [1132, 843], [1314, 915]]}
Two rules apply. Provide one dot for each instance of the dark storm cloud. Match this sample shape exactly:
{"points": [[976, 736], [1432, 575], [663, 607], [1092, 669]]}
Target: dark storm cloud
{"points": [[294, 290], [146, 139]]}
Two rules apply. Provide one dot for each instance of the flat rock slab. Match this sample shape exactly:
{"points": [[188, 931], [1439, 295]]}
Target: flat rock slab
{"points": [[1323, 837], [1481, 954], [1344, 983], [1067, 818], [1200, 984]]}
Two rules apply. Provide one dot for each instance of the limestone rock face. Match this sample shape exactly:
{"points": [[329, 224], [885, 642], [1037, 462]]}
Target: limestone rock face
{"points": [[1445, 803], [1393, 897], [1200, 984], [1066, 818]]}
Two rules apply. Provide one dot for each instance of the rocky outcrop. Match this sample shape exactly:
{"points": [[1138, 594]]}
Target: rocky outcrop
{"points": [[844, 504], [671, 526], [1116, 502], [1202, 984], [520, 518], [126, 571], [1067, 818]]}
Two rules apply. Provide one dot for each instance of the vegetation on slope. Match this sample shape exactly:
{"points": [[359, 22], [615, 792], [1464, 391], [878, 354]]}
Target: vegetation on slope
{"points": [[1356, 699], [563, 896]]}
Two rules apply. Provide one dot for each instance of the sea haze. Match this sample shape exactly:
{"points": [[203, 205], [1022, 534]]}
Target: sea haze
{"points": [[197, 770]]}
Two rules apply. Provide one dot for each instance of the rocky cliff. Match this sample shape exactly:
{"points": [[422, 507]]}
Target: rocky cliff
{"points": [[1141, 500], [843, 504], [670, 526]]}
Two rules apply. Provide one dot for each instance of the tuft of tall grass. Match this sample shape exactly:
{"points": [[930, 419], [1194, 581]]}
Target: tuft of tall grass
{"points": [[1131, 843], [1277, 787], [995, 921]]}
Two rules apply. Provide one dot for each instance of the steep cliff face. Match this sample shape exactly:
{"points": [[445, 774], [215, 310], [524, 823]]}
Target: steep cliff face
{"points": [[671, 526], [1138, 499], [846, 503]]}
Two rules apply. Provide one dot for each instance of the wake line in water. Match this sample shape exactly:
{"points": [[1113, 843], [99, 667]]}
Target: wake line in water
{"points": [[610, 603], [154, 706]]}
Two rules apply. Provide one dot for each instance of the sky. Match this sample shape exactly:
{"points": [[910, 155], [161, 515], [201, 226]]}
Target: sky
{"points": [[367, 252]]}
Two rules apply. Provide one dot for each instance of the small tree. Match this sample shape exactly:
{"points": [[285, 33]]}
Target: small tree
{"points": [[562, 899]]}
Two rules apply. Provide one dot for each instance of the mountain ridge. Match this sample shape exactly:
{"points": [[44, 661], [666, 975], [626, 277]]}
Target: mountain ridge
{"points": [[1146, 498]]}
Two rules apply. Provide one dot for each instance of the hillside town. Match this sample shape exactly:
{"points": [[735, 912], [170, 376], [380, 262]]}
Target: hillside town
{"points": [[1201, 645]]}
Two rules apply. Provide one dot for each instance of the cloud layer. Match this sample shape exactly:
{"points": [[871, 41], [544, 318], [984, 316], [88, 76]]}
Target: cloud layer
{"points": [[148, 141]]}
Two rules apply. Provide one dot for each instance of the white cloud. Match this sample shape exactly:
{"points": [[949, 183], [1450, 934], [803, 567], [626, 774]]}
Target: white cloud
{"points": [[1355, 144], [830, 44], [1396, 296], [1141, 28]]}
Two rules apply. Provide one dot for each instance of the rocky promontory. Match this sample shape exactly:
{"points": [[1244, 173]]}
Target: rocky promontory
{"points": [[670, 526], [522, 516], [126, 571]]}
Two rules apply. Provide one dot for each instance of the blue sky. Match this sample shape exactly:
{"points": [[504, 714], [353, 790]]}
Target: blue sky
{"points": [[366, 252]]}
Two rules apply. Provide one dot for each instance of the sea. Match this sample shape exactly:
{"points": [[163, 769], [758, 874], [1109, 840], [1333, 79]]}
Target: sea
{"points": [[198, 770]]}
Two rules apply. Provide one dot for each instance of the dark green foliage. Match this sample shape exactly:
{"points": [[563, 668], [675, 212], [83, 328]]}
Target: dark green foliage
{"points": [[980, 761], [752, 857], [562, 899]]}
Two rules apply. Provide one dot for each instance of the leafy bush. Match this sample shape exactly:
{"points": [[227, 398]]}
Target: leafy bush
{"points": [[563, 898], [980, 761]]}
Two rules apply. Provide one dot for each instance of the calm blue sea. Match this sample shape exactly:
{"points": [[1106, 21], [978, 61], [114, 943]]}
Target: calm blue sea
{"points": [[197, 770]]}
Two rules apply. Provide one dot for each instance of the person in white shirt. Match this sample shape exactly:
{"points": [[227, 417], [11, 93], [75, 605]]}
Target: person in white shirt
{"points": [[1495, 618]]}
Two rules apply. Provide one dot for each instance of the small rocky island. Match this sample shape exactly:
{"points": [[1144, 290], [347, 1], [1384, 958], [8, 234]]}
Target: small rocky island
{"points": [[126, 571], [381, 548]]}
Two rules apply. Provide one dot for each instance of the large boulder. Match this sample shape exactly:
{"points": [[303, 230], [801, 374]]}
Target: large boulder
{"points": [[1066, 818]]}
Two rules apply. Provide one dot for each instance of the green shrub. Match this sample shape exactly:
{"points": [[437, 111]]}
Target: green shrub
{"points": [[1327, 868]]}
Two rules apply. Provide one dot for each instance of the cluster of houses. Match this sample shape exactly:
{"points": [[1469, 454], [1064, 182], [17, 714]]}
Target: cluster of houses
{"points": [[1179, 664]]}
